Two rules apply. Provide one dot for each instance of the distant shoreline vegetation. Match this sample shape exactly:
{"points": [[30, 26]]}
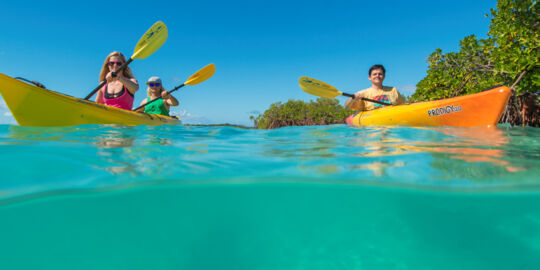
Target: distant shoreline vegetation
{"points": [[218, 125], [324, 111]]}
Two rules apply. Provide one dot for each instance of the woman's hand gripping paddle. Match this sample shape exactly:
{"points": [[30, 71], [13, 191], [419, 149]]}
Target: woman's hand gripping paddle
{"points": [[198, 77]]}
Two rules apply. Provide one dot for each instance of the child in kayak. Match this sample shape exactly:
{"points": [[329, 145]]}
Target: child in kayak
{"points": [[377, 92], [155, 90], [119, 90]]}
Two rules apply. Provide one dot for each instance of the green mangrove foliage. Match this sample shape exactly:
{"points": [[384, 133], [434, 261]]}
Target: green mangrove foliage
{"points": [[508, 56], [324, 111]]}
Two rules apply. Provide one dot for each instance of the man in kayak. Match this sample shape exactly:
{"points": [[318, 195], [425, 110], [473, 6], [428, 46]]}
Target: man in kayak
{"points": [[377, 92], [155, 90], [119, 90]]}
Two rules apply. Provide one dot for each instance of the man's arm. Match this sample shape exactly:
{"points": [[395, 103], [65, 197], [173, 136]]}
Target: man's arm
{"points": [[355, 104]]}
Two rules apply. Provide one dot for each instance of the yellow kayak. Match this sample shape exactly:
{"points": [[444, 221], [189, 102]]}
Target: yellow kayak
{"points": [[39, 107], [480, 109]]}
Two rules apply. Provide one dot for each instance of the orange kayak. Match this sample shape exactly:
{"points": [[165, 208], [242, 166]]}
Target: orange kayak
{"points": [[480, 109]]}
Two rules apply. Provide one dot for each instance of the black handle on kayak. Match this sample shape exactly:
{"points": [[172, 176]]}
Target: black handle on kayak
{"points": [[170, 92], [113, 74], [368, 99]]}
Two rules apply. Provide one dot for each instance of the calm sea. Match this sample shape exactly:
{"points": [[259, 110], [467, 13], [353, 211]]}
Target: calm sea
{"points": [[320, 197]]}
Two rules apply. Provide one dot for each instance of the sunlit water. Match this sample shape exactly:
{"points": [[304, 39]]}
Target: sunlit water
{"points": [[323, 197]]}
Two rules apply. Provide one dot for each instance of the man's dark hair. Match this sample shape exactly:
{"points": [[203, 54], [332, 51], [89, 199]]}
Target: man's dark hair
{"points": [[377, 67]]}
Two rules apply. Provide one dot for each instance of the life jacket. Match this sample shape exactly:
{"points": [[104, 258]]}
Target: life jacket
{"points": [[124, 100], [156, 107]]}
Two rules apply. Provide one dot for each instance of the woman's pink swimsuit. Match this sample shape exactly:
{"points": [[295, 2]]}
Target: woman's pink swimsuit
{"points": [[123, 101]]}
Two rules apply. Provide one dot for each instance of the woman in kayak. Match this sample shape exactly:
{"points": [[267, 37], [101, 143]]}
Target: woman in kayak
{"points": [[377, 92], [119, 90], [155, 90]]}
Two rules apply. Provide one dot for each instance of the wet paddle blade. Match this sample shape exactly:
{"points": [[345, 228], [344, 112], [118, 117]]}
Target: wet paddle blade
{"points": [[202, 75], [318, 88], [151, 41]]}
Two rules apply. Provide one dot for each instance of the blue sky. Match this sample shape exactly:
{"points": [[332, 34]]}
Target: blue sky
{"points": [[260, 48]]}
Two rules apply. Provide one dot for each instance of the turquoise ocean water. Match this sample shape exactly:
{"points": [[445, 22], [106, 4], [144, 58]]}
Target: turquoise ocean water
{"points": [[321, 197]]}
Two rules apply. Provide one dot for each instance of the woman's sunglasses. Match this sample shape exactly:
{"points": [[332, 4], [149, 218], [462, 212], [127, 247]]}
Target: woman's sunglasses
{"points": [[154, 84], [117, 63]]}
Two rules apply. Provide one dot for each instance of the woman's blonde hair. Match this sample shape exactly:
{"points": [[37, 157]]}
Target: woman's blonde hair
{"points": [[105, 68]]}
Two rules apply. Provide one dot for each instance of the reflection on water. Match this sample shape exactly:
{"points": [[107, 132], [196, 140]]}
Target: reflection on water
{"points": [[102, 155], [113, 146], [379, 167], [116, 146], [115, 139], [471, 145]]}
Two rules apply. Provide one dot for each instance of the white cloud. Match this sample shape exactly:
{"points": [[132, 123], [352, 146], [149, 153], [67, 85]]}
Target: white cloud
{"points": [[6, 116], [188, 118], [407, 90]]}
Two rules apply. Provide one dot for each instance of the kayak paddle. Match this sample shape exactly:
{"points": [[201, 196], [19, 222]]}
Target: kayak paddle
{"points": [[147, 45], [322, 89], [198, 77]]}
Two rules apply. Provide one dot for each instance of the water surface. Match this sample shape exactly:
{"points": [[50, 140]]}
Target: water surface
{"points": [[321, 197]]}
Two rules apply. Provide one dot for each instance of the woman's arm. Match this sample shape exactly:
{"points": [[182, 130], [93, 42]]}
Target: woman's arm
{"points": [[169, 99], [99, 96], [131, 84], [142, 103]]}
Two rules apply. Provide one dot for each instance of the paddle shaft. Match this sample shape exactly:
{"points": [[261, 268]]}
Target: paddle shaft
{"points": [[367, 99], [105, 81], [170, 92]]}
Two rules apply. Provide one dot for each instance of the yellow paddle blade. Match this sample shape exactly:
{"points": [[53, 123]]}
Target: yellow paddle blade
{"points": [[151, 41], [202, 75], [318, 88]]}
